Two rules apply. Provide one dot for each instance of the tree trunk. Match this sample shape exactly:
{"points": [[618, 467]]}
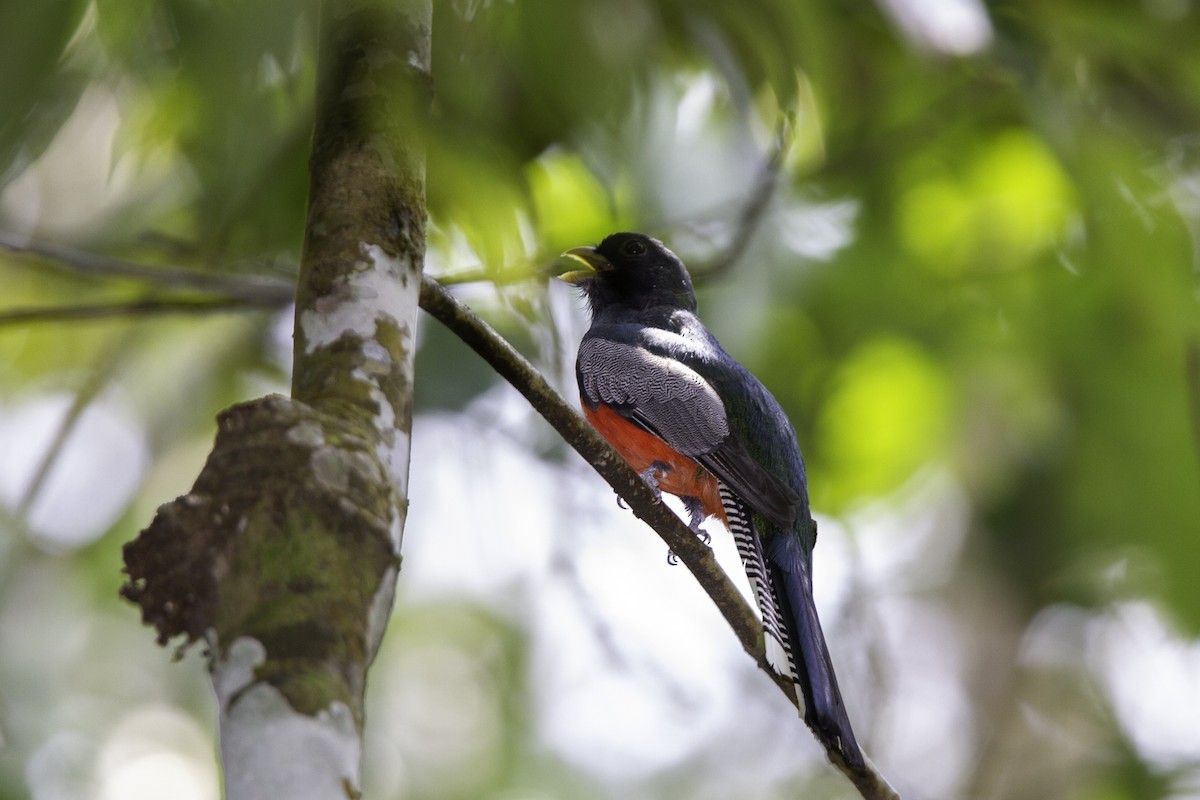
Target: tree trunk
{"points": [[284, 555]]}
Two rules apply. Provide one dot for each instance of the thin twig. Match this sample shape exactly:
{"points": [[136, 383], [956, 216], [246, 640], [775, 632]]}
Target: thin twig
{"points": [[98, 378], [252, 290], [226, 292], [133, 308], [751, 215], [536, 267]]}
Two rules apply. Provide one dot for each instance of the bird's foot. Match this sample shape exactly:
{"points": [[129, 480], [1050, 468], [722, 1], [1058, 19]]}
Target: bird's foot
{"points": [[695, 517], [653, 474], [695, 512]]}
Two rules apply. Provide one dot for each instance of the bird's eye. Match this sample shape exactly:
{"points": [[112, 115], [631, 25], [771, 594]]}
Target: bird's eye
{"points": [[633, 248]]}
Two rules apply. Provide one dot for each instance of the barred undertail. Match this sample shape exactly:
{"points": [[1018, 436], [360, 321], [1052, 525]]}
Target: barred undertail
{"points": [[778, 646]]}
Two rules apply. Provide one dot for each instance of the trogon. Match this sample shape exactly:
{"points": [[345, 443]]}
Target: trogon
{"points": [[654, 382]]}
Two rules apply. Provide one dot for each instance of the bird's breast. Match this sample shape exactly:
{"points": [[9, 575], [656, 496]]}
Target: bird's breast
{"points": [[682, 477]]}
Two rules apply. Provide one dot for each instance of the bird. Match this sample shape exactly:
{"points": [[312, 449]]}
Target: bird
{"points": [[693, 422]]}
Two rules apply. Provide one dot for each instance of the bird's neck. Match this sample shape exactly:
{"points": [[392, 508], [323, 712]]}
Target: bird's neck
{"points": [[665, 316]]}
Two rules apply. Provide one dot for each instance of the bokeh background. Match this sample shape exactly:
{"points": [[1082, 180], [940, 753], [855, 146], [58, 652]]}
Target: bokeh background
{"points": [[959, 240]]}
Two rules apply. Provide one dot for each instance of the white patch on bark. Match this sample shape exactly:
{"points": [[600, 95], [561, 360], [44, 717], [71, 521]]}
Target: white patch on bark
{"points": [[393, 452], [236, 671], [385, 289], [335, 467], [394, 444], [376, 352], [268, 749], [361, 297], [307, 433], [381, 606]]}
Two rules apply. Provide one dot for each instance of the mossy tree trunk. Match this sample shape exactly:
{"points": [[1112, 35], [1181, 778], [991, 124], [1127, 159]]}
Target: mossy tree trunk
{"points": [[284, 555]]}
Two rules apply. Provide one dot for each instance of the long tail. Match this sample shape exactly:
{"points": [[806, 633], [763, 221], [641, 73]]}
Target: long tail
{"points": [[782, 584], [825, 712]]}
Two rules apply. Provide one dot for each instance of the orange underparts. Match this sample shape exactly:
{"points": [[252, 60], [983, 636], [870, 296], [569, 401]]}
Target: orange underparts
{"points": [[683, 477]]}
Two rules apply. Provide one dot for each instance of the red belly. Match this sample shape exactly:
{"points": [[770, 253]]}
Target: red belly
{"points": [[684, 478]]}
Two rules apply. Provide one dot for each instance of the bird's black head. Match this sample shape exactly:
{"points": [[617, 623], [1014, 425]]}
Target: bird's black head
{"points": [[631, 270]]}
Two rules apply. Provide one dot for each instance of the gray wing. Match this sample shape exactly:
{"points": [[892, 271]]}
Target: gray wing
{"points": [[665, 396]]}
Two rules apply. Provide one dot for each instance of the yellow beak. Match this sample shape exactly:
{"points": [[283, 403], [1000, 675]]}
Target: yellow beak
{"points": [[592, 261]]}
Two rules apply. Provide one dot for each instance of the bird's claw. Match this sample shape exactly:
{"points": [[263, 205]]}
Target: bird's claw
{"points": [[695, 517], [704, 538], [653, 474]]}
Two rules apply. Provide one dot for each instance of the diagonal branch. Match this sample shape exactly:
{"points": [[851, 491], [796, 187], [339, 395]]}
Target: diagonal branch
{"points": [[505, 359]]}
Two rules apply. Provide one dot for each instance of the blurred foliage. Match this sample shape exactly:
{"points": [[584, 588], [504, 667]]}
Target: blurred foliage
{"points": [[979, 261]]}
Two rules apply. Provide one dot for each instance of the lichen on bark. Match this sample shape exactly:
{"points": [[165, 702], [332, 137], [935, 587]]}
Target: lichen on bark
{"points": [[284, 538]]}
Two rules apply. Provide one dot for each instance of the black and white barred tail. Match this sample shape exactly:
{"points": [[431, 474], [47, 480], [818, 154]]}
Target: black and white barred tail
{"points": [[749, 547]]}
